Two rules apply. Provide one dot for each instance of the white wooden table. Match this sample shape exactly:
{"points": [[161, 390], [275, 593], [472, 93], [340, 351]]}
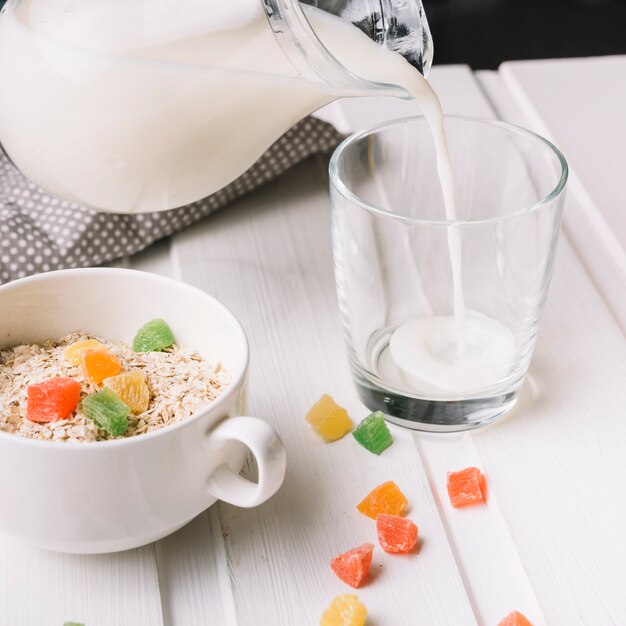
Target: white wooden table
{"points": [[551, 542]]}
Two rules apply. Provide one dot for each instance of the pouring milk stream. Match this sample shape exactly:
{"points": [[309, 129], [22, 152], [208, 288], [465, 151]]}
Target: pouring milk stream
{"points": [[134, 116]]}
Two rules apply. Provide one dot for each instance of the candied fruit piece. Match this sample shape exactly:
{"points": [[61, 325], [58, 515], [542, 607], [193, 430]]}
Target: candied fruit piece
{"points": [[74, 351], [100, 364], [108, 411], [132, 389], [52, 400], [396, 534], [386, 498], [464, 487], [373, 433], [515, 619], [353, 566], [154, 336], [328, 419], [345, 610]]}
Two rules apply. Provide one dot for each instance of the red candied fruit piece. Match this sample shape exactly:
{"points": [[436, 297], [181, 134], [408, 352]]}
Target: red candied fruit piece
{"points": [[353, 566], [515, 619], [465, 487], [52, 400], [396, 534]]}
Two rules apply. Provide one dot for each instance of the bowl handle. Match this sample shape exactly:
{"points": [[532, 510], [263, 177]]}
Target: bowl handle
{"points": [[268, 451]]}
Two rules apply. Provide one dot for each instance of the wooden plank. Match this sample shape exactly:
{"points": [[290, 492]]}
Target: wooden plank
{"points": [[556, 463], [47, 589], [580, 104], [194, 576], [268, 259], [485, 551], [570, 421], [156, 259]]}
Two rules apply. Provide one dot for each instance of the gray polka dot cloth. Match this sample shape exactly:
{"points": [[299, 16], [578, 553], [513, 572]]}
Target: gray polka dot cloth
{"points": [[39, 232]]}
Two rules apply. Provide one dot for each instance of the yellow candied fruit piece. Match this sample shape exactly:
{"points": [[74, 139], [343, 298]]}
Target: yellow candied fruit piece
{"points": [[74, 351], [345, 610], [328, 419], [132, 388]]}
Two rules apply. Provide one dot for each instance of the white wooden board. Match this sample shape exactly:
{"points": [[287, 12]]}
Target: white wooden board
{"points": [[549, 542]]}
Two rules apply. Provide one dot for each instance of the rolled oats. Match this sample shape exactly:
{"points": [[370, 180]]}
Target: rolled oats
{"points": [[180, 381]]}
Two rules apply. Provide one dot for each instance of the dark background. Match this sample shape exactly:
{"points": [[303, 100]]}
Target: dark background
{"points": [[484, 33]]}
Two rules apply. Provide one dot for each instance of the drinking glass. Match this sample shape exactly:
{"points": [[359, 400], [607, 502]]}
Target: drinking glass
{"points": [[392, 247]]}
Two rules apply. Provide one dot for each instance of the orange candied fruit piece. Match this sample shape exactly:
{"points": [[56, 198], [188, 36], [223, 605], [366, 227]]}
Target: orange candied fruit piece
{"points": [[464, 487], [354, 565], [396, 534], [328, 419], [386, 498], [52, 400], [74, 351], [100, 364], [515, 619]]}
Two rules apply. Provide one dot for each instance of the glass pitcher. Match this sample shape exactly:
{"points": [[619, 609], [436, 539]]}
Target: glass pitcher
{"points": [[145, 105]]}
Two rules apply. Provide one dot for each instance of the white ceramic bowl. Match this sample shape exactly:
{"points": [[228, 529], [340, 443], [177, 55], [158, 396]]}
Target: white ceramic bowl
{"points": [[114, 495]]}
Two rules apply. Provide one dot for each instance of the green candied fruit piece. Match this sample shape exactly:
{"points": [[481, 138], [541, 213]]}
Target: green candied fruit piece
{"points": [[373, 434], [153, 337], [73, 624], [108, 411]]}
